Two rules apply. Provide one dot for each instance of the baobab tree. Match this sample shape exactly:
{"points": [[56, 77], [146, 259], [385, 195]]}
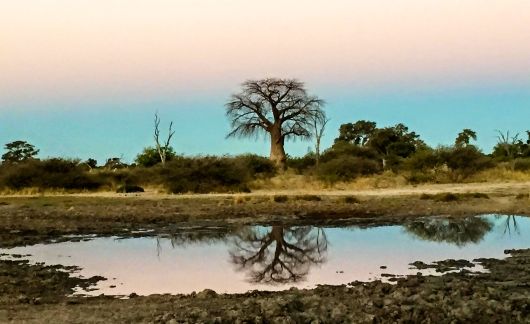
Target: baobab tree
{"points": [[281, 108]]}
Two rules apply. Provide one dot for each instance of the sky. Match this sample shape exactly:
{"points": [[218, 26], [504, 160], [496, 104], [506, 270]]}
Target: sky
{"points": [[84, 78]]}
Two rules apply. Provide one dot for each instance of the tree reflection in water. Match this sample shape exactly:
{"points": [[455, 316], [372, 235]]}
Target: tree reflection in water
{"points": [[278, 254], [510, 225], [190, 236], [459, 231]]}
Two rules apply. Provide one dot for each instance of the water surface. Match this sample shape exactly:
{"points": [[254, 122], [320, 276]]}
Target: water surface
{"points": [[278, 257]]}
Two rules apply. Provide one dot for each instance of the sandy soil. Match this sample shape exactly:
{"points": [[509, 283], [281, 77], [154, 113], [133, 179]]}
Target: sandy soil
{"points": [[486, 187]]}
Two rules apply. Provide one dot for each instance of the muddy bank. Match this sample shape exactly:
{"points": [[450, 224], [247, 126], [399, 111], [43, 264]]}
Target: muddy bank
{"points": [[500, 296], [35, 284], [30, 220]]}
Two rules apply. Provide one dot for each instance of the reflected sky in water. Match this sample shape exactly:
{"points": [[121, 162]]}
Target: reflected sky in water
{"points": [[279, 257]]}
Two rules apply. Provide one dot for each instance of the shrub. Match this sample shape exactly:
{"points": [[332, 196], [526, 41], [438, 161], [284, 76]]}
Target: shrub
{"points": [[345, 168], [129, 189], [465, 161], [150, 157], [522, 164], [425, 196], [203, 175], [340, 149], [478, 195], [302, 164], [446, 197], [48, 174], [351, 200], [280, 198], [420, 177], [256, 165], [308, 198], [426, 159], [522, 196]]}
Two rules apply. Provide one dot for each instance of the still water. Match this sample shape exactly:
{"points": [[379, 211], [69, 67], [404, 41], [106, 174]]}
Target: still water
{"points": [[278, 257]]}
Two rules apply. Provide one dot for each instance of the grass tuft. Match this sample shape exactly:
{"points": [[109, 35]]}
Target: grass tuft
{"points": [[351, 200], [280, 198], [522, 196], [308, 198]]}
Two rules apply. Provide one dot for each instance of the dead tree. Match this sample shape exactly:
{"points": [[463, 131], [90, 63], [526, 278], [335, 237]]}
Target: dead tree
{"points": [[164, 147], [319, 125]]}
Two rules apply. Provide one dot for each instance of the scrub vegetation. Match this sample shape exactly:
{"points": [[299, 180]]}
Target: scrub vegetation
{"points": [[359, 159], [363, 155]]}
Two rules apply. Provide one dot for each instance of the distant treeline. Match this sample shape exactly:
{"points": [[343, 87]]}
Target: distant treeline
{"points": [[361, 149]]}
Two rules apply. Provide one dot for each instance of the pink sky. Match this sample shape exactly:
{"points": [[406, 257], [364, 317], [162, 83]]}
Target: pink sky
{"points": [[125, 47]]}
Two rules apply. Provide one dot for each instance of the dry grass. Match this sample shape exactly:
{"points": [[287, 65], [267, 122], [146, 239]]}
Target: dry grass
{"points": [[295, 184], [301, 183], [288, 181], [500, 174], [36, 191], [385, 180]]}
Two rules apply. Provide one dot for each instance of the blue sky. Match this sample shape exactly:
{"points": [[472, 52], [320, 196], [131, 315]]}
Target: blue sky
{"points": [[107, 128]]}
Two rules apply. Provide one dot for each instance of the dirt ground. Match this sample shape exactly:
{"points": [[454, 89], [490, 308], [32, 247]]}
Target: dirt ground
{"points": [[33, 219], [37, 293]]}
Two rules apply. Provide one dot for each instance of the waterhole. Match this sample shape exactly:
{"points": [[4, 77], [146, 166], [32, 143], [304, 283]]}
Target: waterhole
{"points": [[239, 259]]}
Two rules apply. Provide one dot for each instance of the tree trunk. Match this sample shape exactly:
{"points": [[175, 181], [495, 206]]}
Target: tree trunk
{"points": [[277, 150], [317, 151]]}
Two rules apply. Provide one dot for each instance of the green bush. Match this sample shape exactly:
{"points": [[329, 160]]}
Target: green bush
{"points": [[150, 157], [340, 149], [346, 168], [204, 175], [256, 165], [48, 174], [465, 161], [420, 177], [422, 160], [302, 164]]}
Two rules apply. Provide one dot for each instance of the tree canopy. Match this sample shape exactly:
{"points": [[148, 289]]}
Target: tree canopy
{"points": [[281, 108], [19, 151]]}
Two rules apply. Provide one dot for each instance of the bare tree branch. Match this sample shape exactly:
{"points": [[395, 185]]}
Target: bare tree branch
{"points": [[162, 149]]}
